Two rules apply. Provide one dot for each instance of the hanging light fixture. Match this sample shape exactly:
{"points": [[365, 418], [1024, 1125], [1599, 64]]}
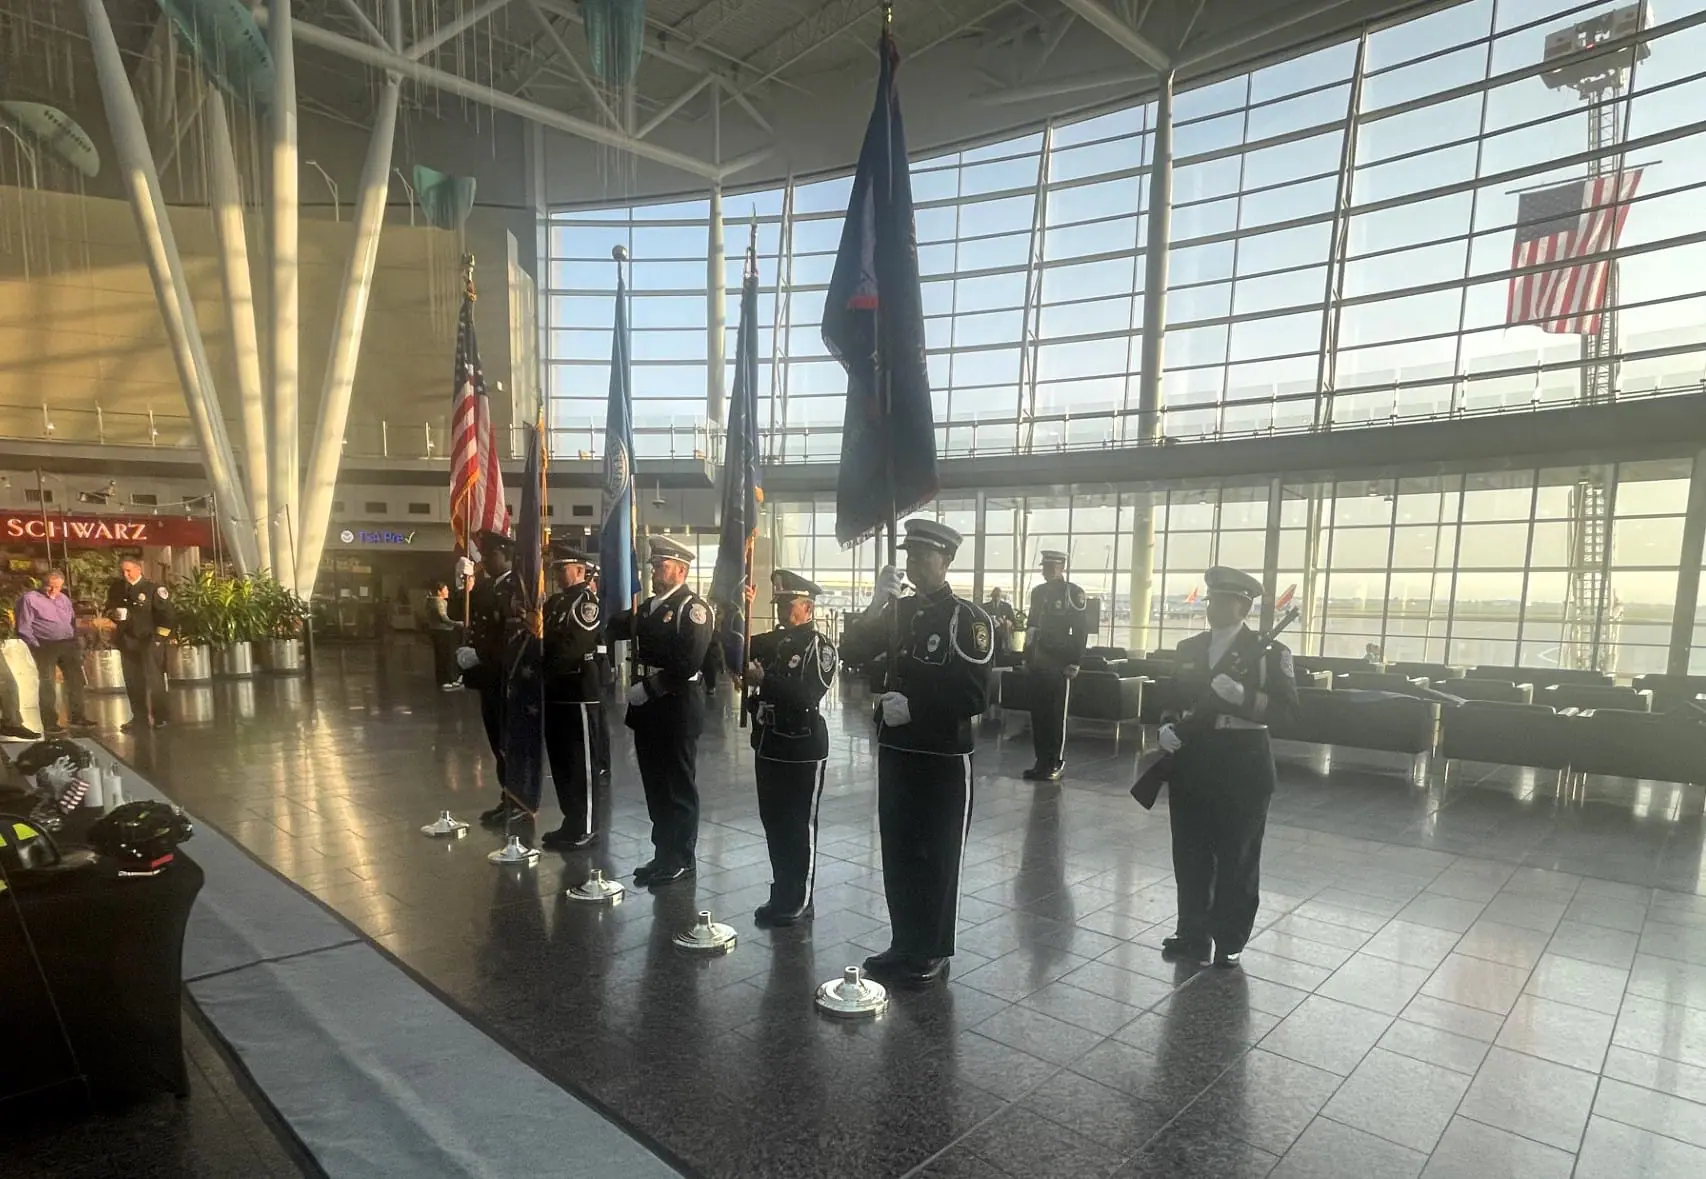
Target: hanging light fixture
{"points": [[615, 36]]}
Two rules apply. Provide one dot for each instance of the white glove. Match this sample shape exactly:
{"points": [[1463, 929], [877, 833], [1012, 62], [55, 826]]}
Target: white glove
{"points": [[1228, 689], [636, 695], [467, 657], [897, 710], [1171, 742], [889, 584]]}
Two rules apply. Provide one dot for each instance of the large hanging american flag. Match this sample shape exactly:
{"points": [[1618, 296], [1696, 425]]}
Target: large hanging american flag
{"points": [[476, 484], [1568, 224]]}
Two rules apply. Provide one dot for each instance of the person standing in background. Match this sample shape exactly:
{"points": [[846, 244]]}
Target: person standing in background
{"points": [[47, 622], [445, 635], [145, 618]]}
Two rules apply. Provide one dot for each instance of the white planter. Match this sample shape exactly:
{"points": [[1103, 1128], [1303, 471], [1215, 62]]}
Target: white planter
{"points": [[189, 665], [282, 656], [234, 661]]}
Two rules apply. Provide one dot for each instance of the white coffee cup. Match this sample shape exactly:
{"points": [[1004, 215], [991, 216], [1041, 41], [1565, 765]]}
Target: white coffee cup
{"points": [[121, 613]]}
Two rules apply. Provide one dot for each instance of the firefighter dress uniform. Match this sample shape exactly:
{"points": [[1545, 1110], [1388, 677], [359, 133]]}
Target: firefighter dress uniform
{"points": [[572, 704], [1057, 629]]}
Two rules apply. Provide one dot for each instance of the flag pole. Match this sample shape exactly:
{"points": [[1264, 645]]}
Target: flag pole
{"points": [[620, 255], [746, 583], [880, 366], [479, 473]]}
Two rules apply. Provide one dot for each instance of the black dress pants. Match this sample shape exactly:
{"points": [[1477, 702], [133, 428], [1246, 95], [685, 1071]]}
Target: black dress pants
{"points": [[1218, 809], [144, 681], [492, 717], [666, 744], [789, 793], [1050, 691], [923, 812], [568, 743], [67, 656]]}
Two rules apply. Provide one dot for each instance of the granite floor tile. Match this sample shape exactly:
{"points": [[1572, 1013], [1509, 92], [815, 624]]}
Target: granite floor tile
{"points": [[1329, 913], [1441, 912], [1411, 944], [1535, 1098], [1594, 943], [998, 1068], [1167, 1081], [1661, 1029], [1094, 1111], [1263, 1099], [1332, 1150], [1610, 912], [1327, 1034], [1530, 912], [1557, 1031], [1473, 982], [1470, 1150], [1668, 981], [1446, 1049], [1612, 1150], [1136, 991], [1687, 1081], [1182, 1151], [1083, 1008], [1400, 1098], [1495, 941], [1039, 1035], [1661, 1113], [1285, 971], [1581, 984], [1023, 1142], [1299, 949], [1342, 936], [1375, 983], [1454, 1017], [1017, 973]]}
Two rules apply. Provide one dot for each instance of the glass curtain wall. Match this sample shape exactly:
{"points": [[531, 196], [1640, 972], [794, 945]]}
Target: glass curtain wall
{"points": [[1343, 236]]}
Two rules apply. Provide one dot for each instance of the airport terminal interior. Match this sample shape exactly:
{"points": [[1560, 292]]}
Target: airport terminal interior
{"points": [[1387, 304]]}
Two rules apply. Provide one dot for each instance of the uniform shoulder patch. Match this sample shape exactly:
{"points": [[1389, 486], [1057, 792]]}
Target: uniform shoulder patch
{"points": [[826, 660], [1285, 662], [1075, 597], [161, 593], [699, 615], [586, 613], [971, 634]]}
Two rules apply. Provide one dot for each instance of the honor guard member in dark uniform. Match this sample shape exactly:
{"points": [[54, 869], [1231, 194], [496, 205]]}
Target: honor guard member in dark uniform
{"points": [[788, 671], [666, 707], [937, 683], [145, 618], [572, 698], [1055, 634], [1223, 771], [1004, 618], [492, 613]]}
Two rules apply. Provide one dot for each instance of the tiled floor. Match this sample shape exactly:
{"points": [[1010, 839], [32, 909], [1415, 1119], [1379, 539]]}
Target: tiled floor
{"points": [[1459, 976], [216, 1132]]}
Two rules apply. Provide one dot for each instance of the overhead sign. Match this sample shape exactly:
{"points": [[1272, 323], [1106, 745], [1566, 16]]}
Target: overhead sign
{"points": [[375, 536], [105, 532]]}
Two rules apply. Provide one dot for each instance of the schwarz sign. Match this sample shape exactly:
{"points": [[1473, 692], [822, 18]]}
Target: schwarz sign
{"points": [[105, 532], [375, 536]]}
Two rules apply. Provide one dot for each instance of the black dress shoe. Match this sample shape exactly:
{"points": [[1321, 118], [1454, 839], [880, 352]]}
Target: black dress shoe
{"points": [[1227, 959], [1032, 774], [1052, 774], [917, 973], [563, 839], [21, 731], [499, 815], [885, 966], [159, 724], [1175, 949], [83, 723], [58, 731], [671, 875], [779, 917]]}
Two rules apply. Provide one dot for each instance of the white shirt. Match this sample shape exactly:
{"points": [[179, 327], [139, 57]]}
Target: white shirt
{"points": [[659, 599], [1220, 641]]}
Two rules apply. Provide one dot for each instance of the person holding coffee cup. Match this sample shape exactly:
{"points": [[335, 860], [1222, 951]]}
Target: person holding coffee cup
{"points": [[145, 617]]}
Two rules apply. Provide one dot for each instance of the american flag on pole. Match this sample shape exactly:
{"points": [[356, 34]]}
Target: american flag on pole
{"points": [[476, 484], [1563, 228]]}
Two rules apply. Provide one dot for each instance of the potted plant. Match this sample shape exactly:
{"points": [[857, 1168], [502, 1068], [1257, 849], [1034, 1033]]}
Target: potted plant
{"points": [[284, 616], [189, 658], [103, 666], [233, 624]]}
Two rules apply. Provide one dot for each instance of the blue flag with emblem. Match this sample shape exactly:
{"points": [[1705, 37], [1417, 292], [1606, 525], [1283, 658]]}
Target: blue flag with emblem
{"points": [[742, 486], [524, 654], [618, 578], [873, 323]]}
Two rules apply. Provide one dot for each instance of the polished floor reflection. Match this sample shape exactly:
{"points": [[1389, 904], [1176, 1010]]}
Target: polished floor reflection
{"points": [[1460, 974]]}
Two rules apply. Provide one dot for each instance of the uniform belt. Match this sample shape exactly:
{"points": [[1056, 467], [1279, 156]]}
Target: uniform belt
{"points": [[1222, 721], [642, 670]]}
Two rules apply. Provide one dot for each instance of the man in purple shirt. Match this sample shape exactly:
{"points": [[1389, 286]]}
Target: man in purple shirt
{"points": [[47, 622]]}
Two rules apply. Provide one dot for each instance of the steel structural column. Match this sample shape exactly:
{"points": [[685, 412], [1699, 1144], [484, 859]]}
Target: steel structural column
{"points": [[1157, 244], [716, 311], [285, 345], [165, 269], [229, 227], [351, 318], [1688, 573]]}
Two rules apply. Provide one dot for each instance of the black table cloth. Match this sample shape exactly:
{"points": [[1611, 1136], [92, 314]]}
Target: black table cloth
{"points": [[111, 951]]}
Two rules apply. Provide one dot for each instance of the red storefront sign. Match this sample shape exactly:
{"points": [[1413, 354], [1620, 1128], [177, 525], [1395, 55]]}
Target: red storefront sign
{"points": [[104, 532]]}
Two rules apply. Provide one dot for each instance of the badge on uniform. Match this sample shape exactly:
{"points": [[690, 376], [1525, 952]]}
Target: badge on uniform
{"points": [[588, 612], [698, 614], [980, 637], [794, 662], [934, 644], [141, 597], [162, 592], [669, 615]]}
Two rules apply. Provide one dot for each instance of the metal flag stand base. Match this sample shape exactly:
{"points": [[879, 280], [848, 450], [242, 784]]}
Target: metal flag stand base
{"points": [[706, 936], [852, 996], [597, 890], [445, 827], [515, 852]]}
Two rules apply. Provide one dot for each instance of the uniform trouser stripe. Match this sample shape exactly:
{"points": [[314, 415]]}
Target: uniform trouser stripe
{"points": [[811, 845], [1065, 708], [586, 768]]}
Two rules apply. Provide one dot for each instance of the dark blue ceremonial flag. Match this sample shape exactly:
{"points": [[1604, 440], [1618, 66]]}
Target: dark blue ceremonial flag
{"points": [[618, 576], [524, 680], [873, 323], [743, 487]]}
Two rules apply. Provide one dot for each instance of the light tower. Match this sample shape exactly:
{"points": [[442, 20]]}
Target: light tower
{"points": [[1600, 80]]}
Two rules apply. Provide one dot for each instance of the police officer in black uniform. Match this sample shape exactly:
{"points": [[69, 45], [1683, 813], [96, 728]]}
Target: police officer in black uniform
{"points": [[788, 671], [1223, 771], [1055, 634], [937, 683], [145, 619], [493, 612], [666, 707], [572, 698]]}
